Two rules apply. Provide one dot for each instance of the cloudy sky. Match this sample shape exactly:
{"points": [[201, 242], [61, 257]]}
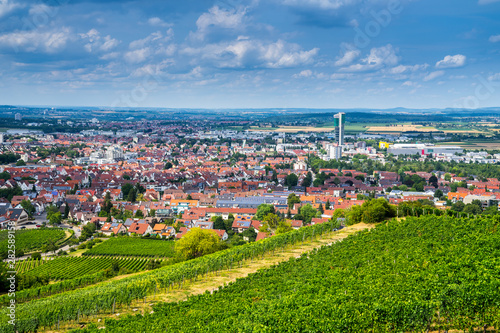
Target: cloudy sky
{"points": [[251, 53]]}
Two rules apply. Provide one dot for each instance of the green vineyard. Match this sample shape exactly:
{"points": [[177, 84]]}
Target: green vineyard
{"points": [[71, 267], [419, 275], [30, 240], [47, 312], [23, 266], [136, 247]]}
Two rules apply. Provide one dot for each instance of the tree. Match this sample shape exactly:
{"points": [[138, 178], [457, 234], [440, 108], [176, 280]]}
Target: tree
{"points": [[360, 177], [126, 188], [218, 223], [291, 180], [55, 218], [168, 165], [20, 163], [307, 213], [371, 211], [131, 195], [292, 200], [50, 246], [283, 227], [126, 177], [66, 211], [472, 209], [458, 206], [320, 209], [198, 242], [36, 256], [307, 180], [250, 233], [28, 207], [139, 214], [272, 220], [189, 197], [263, 210], [438, 194], [4, 175]]}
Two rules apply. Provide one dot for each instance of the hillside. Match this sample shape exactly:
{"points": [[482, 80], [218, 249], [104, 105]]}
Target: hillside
{"points": [[429, 273]]}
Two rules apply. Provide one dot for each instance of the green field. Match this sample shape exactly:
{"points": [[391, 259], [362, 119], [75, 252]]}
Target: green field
{"points": [[422, 274], [30, 240], [72, 267], [352, 127], [133, 247]]}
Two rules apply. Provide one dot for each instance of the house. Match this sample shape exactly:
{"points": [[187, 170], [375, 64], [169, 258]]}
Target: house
{"points": [[318, 220], [140, 229], [222, 234], [203, 225], [182, 232], [296, 224], [113, 228], [16, 200], [163, 230], [17, 215]]}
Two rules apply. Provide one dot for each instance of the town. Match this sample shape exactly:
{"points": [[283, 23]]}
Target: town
{"points": [[163, 181]]}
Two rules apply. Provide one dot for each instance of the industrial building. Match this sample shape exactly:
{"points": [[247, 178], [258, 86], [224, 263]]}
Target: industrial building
{"points": [[423, 149]]}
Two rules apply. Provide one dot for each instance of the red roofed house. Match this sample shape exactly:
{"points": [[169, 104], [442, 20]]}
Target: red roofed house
{"points": [[140, 229]]}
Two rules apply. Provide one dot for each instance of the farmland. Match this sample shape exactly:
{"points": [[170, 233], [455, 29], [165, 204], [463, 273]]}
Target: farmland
{"points": [[393, 278], [133, 247], [72, 267], [31, 240]]}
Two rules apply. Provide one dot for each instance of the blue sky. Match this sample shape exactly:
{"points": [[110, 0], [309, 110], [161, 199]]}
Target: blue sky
{"points": [[251, 54]]}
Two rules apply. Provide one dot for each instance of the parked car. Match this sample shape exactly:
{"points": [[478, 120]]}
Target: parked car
{"points": [[38, 226], [23, 227]]}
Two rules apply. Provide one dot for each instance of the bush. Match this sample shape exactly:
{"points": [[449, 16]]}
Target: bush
{"points": [[36, 256]]}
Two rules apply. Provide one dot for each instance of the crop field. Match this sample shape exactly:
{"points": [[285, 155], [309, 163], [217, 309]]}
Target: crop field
{"points": [[401, 128], [486, 144], [31, 240], [133, 247], [72, 267]]}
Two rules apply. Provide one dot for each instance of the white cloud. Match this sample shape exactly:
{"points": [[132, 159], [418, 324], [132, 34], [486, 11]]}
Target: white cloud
{"points": [[340, 76], [304, 73], [158, 22], [247, 53], [405, 69], [156, 43], [495, 39], [152, 69], [138, 56], [452, 61], [433, 75], [37, 41], [218, 17], [494, 77], [97, 43], [348, 58], [322, 4], [376, 59], [6, 7], [153, 39]]}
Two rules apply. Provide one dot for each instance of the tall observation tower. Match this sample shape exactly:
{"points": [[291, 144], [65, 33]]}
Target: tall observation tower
{"points": [[339, 121]]}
